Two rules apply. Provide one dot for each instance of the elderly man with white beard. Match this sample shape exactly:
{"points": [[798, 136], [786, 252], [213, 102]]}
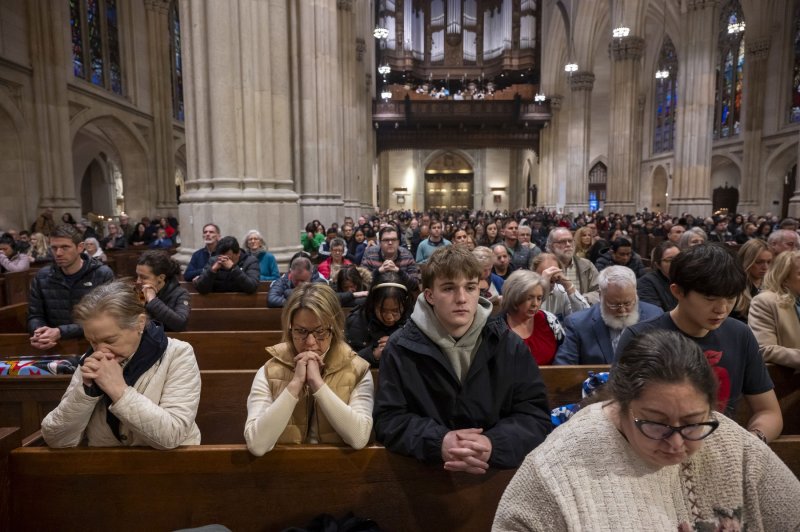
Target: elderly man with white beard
{"points": [[592, 334]]}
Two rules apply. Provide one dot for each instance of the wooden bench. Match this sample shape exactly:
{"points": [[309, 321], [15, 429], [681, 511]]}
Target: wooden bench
{"points": [[14, 318], [199, 485], [263, 287], [9, 440], [229, 300], [238, 319]]}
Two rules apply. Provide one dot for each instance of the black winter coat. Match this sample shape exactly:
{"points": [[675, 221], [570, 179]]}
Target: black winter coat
{"points": [[654, 288], [51, 299], [171, 307], [420, 398], [244, 277], [363, 334], [606, 259]]}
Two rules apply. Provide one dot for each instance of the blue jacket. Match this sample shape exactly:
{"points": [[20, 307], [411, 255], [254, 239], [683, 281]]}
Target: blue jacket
{"points": [[426, 249], [269, 266], [587, 338], [199, 260]]}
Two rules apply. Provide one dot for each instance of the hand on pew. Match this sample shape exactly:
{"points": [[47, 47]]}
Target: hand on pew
{"points": [[45, 337], [466, 450]]}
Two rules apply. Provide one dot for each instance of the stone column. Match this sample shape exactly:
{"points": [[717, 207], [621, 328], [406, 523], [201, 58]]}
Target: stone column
{"points": [[577, 178], [351, 89], [548, 144], [157, 12], [794, 202], [239, 127], [755, 71], [50, 68], [696, 78], [624, 153]]}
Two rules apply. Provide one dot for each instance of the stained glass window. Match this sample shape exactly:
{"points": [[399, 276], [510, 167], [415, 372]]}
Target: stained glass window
{"points": [[794, 111], [177, 61], [666, 88], [94, 27], [730, 70]]}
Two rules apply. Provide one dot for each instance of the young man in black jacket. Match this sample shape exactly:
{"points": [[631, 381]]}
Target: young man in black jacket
{"points": [[57, 288], [229, 270], [456, 385]]}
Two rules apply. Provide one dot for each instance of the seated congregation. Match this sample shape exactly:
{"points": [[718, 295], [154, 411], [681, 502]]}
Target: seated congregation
{"points": [[425, 364]]}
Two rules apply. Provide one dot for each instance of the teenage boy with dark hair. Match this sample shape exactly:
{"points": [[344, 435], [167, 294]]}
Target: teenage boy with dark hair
{"points": [[456, 385], [706, 281]]}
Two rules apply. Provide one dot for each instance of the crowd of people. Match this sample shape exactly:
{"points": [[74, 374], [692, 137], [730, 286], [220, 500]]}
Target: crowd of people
{"points": [[458, 311]]}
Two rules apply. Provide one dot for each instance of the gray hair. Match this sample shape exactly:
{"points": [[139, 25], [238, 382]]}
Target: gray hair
{"points": [[551, 237], [617, 275], [780, 235], [516, 288], [116, 298], [338, 243], [484, 256], [250, 233], [300, 264], [683, 243]]}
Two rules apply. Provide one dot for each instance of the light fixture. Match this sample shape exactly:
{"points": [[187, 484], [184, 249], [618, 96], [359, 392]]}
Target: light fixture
{"points": [[386, 94], [384, 69], [539, 98], [381, 31], [662, 74], [620, 32], [735, 27], [571, 67]]}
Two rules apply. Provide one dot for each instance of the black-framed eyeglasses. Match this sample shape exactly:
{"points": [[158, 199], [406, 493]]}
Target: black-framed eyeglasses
{"points": [[691, 432], [300, 334]]}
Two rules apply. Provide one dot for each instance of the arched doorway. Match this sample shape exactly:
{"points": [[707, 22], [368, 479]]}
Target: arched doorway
{"points": [[725, 181], [598, 176], [789, 186], [449, 183], [98, 190], [658, 201]]}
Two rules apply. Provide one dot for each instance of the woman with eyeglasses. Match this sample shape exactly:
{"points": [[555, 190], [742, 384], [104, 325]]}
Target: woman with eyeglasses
{"points": [[385, 310], [653, 287], [314, 388], [652, 455]]}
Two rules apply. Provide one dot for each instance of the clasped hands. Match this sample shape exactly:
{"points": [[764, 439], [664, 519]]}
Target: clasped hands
{"points": [[45, 337], [102, 368], [307, 370], [224, 262], [466, 450]]}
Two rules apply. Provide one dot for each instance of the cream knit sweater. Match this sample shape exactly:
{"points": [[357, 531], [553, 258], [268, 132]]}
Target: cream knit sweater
{"points": [[585, 476]]}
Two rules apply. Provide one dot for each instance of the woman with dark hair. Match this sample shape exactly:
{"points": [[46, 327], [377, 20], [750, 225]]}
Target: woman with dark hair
{"points": [[363, 238], [654, 286], [163, 297], [386, 309], [68, 219], [763, 231], [139, 236], [656, 471], [351, 285]]}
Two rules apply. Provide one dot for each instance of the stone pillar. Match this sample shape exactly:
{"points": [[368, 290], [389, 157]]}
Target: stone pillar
{"points": [[624, 154], [548, 146], [755, 67], [160, 62], [350, 54], [239, 127], [696, 78], [577, 178], [50, 68], [794, 202]]}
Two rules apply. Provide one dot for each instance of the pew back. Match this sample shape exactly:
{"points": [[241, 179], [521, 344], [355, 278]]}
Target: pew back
{"points": [[229, 300]]}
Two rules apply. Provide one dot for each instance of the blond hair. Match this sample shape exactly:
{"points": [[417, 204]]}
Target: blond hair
{"points": [[320, 300], [780, 270]]}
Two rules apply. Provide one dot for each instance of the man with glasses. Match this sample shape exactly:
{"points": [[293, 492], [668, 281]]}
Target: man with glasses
{"points": [[390, 257], [580, 272], [707, 280], [592, 335]]}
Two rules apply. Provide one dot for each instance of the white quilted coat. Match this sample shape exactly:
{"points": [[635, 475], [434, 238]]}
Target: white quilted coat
{"points": [[159, 411]]}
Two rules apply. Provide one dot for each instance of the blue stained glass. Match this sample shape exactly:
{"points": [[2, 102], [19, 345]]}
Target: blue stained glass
{"points": [[77, 38], [794, 105], [177, 66], [112, 29], [95, 42]]}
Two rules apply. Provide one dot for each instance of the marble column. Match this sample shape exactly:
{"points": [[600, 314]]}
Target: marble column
{"points": [[548, 145], [577, 178], [157, 13], [351, 88], [624, 153], [755, 86], [50, 68], [239, 127], [696, 78]]}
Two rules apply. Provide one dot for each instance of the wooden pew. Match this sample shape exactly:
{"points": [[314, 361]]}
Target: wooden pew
{"points": [[17, 285], [9, 440], [14, 318], [263, 287], [237, 319], [289, 486], [229, 300]]}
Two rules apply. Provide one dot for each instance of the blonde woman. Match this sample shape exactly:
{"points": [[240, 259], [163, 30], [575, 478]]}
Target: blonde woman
{"points": [[755, 257], [773, 312], [314, 388], [583, 242], [134, 386], [40, 248]]}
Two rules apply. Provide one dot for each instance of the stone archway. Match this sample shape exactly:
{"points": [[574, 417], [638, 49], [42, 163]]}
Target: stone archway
{"points": [[659, 201], [125, 147], [449, 182]]}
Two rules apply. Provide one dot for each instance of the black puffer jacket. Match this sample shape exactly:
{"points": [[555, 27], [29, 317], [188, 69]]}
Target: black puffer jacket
{"points": [[363, 333], [420, 398], [243, 277], [606, 259], [51, 299], [171, 307]]}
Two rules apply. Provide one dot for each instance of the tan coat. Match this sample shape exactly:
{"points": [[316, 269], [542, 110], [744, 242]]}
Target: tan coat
{"points": [[777, 329], [344, 369]]}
